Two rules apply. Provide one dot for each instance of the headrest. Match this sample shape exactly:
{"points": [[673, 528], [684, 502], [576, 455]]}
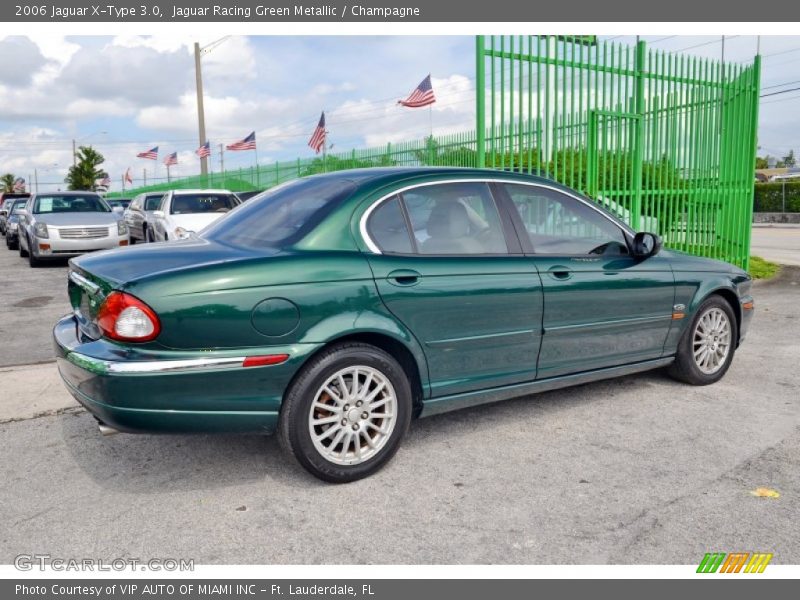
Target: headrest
{"points": [[448, 219]]}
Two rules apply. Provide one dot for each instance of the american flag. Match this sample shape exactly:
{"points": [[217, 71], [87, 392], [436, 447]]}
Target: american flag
{"points": [[151, 154], [248, 143], [172, 159], [421, 96], [317, 140], [128, 177], [204, 150], [19, 184]]}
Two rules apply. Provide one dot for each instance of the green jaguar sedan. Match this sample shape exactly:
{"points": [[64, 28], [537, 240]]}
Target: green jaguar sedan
{"points": [[337, 308]]}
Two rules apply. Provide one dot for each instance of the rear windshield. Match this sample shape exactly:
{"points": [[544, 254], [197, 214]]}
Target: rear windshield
{"points": [[69, 204], [187, 204], [282, 215], [153, 202]]}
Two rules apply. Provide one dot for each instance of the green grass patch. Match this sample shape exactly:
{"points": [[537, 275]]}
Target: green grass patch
{"points": [[762, 269]]}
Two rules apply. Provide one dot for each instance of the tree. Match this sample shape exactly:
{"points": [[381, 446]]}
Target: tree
{"points": [[85, 173], [762, 162], [789, 160], [7, 183]]}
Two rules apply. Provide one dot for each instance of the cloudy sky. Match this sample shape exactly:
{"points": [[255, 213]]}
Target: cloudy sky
{"points": [[124, 95]]}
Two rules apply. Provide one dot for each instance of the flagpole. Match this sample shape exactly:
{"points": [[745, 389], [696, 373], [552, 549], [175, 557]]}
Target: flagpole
{"points": [[168, 179], [144, 175], [430, 117], [258, 181], [222, 162]]}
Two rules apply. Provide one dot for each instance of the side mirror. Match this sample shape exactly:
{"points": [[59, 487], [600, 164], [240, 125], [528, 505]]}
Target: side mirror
{"points": [[117, 209], [3, 213], [646, 245], [158, 213]]}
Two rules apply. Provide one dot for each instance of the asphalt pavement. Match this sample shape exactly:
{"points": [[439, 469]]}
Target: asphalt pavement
{"points": [[638, 470], [777, 242]]}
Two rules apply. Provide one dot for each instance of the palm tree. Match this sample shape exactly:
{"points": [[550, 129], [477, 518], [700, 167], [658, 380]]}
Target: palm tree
{"points": [[86, 172], [7, 183]]}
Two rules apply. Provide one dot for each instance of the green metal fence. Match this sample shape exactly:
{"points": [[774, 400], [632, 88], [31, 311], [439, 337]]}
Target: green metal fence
{"points": [[666, 141], [457, 149]]}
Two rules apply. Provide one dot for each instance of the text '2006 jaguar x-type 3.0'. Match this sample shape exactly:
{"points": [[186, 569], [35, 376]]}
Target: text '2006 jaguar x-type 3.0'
{"points": [[337, 308]]}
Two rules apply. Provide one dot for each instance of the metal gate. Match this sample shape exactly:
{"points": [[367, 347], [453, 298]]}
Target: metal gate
{"points": [[666, 141]]}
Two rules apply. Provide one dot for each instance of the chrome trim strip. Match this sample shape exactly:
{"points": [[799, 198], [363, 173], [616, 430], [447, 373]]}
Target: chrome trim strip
{"points": [[611, 323], [154, 366], [80, 280], [374, 247], [522, 333]]}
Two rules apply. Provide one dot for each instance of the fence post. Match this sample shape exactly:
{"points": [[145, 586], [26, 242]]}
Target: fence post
{"points": [[638, 149], [480, 100]]}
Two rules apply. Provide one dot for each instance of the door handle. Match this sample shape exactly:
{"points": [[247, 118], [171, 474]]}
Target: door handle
{"points": [[560, 272], [403, 277]]}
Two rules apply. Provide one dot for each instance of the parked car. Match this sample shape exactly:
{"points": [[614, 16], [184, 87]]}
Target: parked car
{"points": [[139, 215], [12, 224], [244, 196], [118, 203], [64, 224], [6, 200], [184, 212], [337, 307]]}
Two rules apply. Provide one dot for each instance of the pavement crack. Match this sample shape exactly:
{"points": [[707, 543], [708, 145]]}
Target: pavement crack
{"points": [[68, 410]]}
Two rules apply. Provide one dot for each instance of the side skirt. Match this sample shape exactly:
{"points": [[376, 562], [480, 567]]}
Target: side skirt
{"points": [[445, 404]]}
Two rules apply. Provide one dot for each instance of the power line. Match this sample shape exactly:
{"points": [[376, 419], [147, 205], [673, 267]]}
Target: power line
{"points": [[780, 92], [727, 37]]}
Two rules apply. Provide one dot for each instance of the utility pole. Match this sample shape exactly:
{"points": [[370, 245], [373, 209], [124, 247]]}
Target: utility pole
{"points": [[201, 118], [36, 180]]}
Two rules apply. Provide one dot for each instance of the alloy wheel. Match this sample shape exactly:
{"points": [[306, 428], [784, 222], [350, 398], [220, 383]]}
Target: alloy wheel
{"points": [[711, 341], [353, 415]]}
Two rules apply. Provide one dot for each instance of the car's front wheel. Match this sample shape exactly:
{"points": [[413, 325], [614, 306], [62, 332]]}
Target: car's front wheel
{"points": [[22, 252], [706, 349], [346, 413]]}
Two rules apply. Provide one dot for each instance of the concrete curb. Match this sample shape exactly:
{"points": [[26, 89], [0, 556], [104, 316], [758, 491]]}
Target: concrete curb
{"points": [[32, 391]]}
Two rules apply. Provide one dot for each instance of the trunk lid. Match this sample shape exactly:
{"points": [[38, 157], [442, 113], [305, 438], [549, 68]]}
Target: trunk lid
{"points": [[93, 276]]}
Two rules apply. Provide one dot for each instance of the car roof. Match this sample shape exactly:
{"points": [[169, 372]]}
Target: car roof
{"points": [[68, 193], [387, 175], [209, 191]]}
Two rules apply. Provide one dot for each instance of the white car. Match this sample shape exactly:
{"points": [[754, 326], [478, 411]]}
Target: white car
{"points": [[184, 212]]}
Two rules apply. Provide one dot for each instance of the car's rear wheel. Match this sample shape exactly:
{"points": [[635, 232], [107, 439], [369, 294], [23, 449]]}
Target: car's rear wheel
{"points": [[148, 235], [346, 413], [706, 349]]}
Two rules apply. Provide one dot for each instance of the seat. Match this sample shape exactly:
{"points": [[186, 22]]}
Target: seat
{"points": [[449, 230]]}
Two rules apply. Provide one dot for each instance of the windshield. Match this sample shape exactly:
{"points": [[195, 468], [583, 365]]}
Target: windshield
{"points": [[69, 204], [188, 204], [18, 207], [153, 202], [281, 216]]}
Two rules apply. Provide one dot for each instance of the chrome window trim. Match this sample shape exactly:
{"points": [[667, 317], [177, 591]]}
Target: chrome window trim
{"points": [[376, 250]]}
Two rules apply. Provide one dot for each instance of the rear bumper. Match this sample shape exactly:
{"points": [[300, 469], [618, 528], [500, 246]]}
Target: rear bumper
{"points": [[168, 391]]}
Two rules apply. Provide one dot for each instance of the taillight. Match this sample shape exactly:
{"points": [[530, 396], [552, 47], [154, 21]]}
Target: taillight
{"points": [[125, 318]]}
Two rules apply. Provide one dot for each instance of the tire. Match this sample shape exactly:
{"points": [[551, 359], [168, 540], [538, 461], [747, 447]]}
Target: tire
{"points": [[148, 236], [22, 253], [12, 245], [710, 366], [33, 261], [378, 373]]}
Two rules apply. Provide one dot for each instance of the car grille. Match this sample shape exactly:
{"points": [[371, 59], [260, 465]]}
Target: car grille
{"points": [[83, 233]]}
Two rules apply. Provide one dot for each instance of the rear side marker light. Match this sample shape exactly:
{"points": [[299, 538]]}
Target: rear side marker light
{"points": [[264, 361], [748, 305]]}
